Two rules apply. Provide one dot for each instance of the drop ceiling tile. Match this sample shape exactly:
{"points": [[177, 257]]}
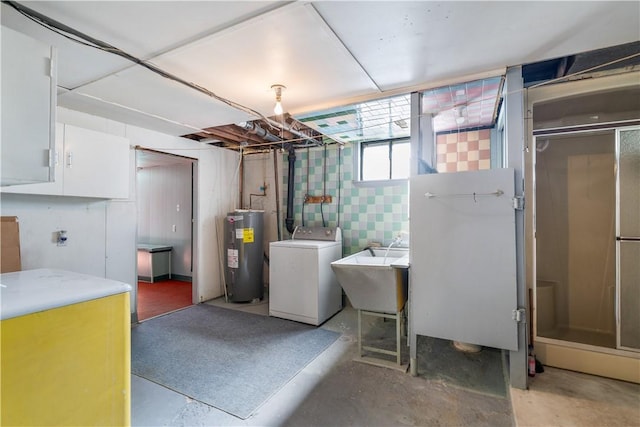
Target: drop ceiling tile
{"points": [[290, 46], [147, 28], [74, 101], [76, 64], [140, 28], [142, 91], [406, 43]]}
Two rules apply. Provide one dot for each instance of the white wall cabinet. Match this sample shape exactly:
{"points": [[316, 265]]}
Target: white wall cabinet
{"points": [[88, 164], [96, 164], [28, 108]]}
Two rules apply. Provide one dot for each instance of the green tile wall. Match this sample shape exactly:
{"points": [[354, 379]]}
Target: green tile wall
{"points": [[367, 213]]}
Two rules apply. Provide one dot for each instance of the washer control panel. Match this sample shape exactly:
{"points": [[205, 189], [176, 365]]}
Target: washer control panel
{"points": [[329, 234]]}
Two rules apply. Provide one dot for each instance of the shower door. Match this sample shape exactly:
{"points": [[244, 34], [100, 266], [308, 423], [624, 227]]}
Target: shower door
{"points": [[575, 237], [588, 238], [628, 238]]}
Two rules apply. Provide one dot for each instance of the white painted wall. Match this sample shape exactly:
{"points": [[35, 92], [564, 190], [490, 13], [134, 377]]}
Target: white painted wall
{"points": [[102, 233], [258, 172], [42, 216]]}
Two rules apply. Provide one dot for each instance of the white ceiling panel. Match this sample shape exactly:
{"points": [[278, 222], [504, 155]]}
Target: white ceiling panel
{"points": [[327, 53], [410, 43], [77, 64], [141, 90], [140, 28], [147, 28], [93, 106], [290, 46]]}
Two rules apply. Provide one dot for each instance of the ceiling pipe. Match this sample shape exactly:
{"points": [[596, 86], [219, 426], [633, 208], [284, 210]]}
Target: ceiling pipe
{"points": [[306, 138], [255, 129], [268, 136]]}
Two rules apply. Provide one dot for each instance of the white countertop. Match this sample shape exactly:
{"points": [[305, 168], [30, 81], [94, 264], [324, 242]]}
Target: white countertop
{"points": [[31, 291], [402, 262], [154, 248]]}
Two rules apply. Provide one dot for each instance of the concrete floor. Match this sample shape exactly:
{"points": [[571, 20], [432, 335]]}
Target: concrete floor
{"points": [[334, 390]]}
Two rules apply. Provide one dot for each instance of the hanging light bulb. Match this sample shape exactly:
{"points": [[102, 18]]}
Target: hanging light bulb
{"points": [[278, 107]]}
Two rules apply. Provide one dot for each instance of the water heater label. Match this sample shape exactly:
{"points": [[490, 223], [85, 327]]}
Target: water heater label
{"points": [[239, 233], [232, 258], [247, 235]]}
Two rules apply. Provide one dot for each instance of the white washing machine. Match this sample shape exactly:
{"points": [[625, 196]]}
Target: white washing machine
{"points": [[302, 285]]}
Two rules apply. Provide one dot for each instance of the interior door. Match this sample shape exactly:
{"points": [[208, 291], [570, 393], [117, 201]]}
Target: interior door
{"points": [[463, 257]]}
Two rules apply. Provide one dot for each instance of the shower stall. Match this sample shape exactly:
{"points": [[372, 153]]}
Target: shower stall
{"points": [[575, 237], [586, 192]]}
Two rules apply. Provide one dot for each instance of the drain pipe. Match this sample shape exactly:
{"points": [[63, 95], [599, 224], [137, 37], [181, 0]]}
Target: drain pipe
{"points": [[290, 188]]}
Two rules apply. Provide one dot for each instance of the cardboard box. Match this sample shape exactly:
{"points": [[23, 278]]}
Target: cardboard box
{"points": [[10, 245]]}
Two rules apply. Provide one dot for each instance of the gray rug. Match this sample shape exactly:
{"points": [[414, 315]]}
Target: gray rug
{"points": [[228, 359]]}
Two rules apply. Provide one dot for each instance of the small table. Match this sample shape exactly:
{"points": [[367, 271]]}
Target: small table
{"points": [[154, 262]]}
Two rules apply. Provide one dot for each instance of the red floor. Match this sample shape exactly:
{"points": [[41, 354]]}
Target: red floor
{"points": [[162, 297]]}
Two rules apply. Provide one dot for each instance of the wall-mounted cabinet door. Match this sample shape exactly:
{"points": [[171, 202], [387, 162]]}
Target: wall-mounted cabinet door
{"points": [[96, 164], [49, 188], [28, 109], [87, 164]]}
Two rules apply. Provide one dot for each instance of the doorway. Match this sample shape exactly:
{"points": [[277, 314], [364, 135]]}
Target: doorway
{"points": [[165, 204]]}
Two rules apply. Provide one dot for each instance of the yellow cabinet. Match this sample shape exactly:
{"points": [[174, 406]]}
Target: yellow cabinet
{"points": [[66, 355]]}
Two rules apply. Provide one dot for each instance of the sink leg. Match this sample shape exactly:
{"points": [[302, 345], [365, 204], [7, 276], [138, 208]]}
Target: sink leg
{"points": [[398, 349], [359, 333], [413, 352]]}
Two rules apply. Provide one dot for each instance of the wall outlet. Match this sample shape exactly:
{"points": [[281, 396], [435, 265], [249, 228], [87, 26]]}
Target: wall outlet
{"points": [[174, 228], [61, 238]]}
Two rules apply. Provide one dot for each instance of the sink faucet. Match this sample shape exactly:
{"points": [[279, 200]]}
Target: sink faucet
{"points": [[368, 248], [397, 241], [401, 239]]}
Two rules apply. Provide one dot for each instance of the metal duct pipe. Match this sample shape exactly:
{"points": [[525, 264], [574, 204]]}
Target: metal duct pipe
{"points": [[257, 130], [306, 138], [290, 188]]}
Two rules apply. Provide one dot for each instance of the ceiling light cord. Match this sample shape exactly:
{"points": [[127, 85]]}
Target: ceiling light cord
{"points": [[60, 28]]}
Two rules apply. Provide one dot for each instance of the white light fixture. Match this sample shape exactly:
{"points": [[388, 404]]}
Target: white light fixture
{"points": [[278, 107]]}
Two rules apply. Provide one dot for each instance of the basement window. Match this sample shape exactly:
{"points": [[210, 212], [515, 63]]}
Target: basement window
{"points": [[384, 160]]}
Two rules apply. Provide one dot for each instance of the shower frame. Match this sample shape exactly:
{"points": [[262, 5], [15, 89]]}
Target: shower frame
{"points": [[626, 361]]}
